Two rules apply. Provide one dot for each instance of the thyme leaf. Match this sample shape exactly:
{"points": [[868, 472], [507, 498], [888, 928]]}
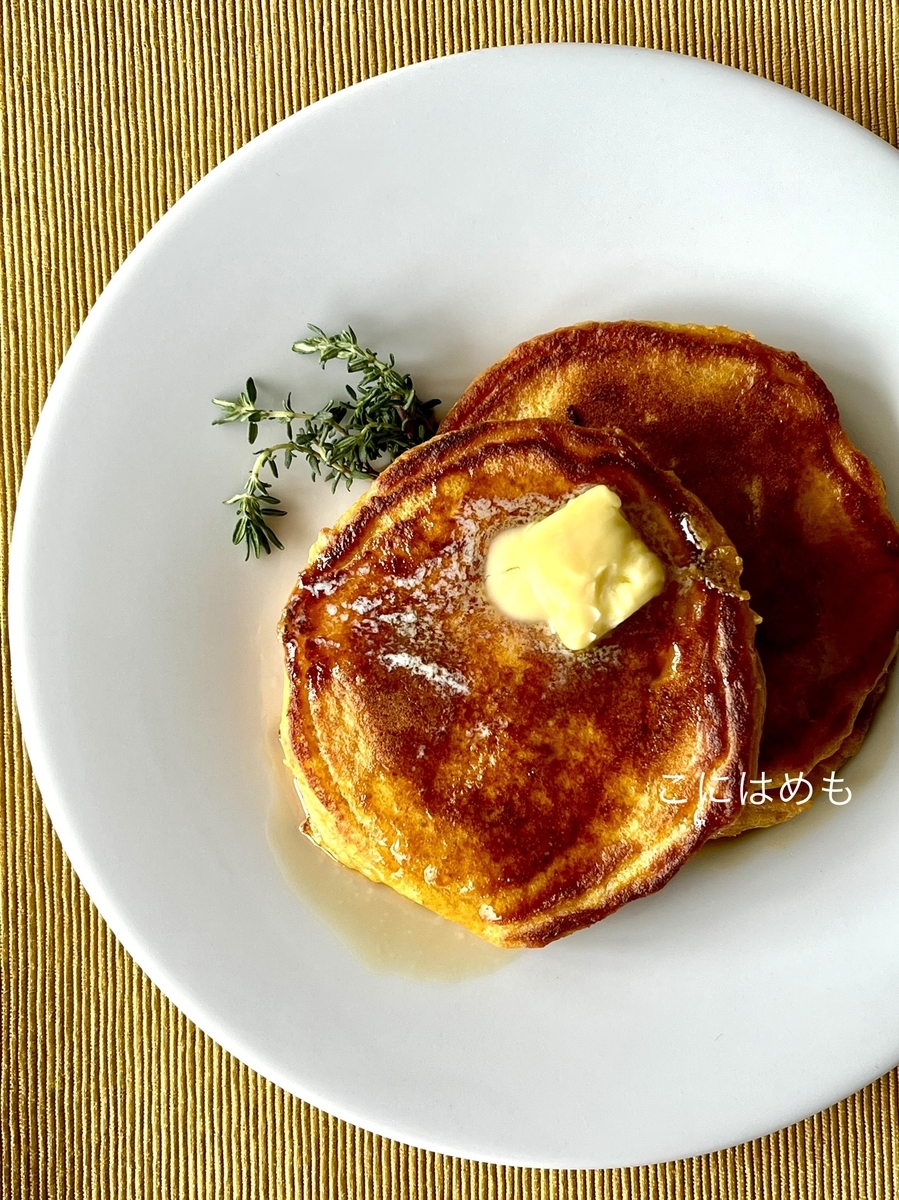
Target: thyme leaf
{"points": [[353, 437]]}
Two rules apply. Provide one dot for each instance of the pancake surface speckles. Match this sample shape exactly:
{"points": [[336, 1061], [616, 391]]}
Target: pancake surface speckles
{"points": [[756, 435], [471, 762]]}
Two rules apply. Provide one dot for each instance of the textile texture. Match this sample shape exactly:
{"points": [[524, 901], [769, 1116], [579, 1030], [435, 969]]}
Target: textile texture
{"points": [[110, 110]]}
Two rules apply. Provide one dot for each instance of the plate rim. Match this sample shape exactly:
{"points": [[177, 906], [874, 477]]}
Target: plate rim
{"points": [[52, 789]]}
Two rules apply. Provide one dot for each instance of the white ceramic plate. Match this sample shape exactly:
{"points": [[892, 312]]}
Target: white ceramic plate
{"points": [[449, 211]]}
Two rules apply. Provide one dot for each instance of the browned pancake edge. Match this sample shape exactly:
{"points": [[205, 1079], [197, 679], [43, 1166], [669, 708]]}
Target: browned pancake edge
{"points": [[471, 762], [756, 434]]}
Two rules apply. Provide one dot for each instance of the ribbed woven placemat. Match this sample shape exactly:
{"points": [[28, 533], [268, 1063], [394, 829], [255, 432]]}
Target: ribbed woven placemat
{"points": [[110, 110]]}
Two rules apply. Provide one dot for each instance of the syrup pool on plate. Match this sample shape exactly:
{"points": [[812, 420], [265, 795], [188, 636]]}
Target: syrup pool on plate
{"points": [[385, 930]]}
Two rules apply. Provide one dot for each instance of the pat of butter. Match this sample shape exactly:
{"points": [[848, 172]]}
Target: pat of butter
{"points": [[582, 570]]}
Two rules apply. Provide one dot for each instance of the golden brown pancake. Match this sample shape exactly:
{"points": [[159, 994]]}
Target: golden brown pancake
{"points": [[755, 433], [470, 761]]}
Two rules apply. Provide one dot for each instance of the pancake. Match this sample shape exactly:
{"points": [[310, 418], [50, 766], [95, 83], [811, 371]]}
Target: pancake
{"points": [[755, 433], [470, 761]]}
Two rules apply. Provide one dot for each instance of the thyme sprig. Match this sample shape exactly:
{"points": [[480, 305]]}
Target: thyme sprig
{"points": [[244, 409], [255, 503], [350, 438]]}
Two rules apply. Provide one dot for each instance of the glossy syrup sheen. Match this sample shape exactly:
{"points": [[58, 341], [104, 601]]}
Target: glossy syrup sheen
{"points": [[755, 434], [473, 762], [378, 927]]}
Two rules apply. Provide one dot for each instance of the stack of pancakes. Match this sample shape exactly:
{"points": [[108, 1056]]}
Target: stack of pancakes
{"points": [[524, 790]]}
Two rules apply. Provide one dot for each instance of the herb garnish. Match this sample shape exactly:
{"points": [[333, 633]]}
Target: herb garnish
{"points": [[350, 438]]}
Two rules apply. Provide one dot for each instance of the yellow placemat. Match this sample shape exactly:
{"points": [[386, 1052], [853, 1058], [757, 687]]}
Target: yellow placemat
{"points": [[110, 110]]}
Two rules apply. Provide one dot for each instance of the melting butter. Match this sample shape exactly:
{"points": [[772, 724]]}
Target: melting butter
{"points": [[582, 570]]}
